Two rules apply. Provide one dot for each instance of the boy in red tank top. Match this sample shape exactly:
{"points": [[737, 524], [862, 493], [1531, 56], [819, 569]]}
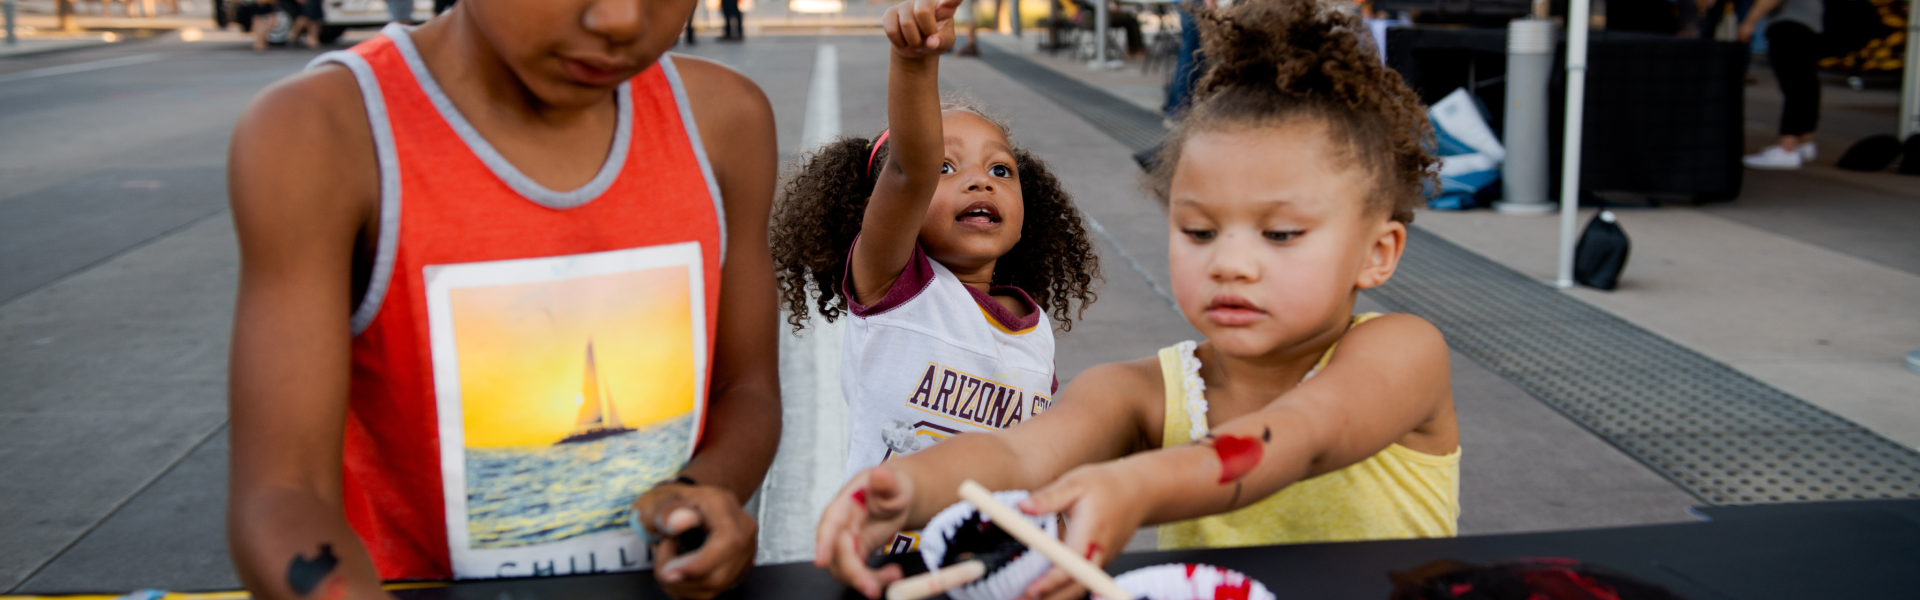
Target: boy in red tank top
{"points": [[506, 306]]}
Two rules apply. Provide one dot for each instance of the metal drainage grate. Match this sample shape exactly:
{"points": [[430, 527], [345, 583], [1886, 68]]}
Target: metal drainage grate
{"points": [[1717, 433], [1721, 435], [1136, 128]]}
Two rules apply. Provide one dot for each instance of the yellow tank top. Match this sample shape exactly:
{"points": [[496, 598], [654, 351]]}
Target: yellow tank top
{"points": [[1398, 493]]}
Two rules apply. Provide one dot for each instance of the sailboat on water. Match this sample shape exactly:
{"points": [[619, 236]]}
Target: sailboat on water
{"points": [[598, 417]]}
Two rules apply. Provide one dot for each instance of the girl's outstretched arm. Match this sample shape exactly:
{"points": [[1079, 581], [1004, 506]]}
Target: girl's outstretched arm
{"points": [[920, 31], [1387, 383], [1104, 413]]}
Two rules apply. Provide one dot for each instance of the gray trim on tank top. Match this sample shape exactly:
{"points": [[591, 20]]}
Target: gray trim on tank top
{"points": [[389, 160], [525, 186], [699, 148]]}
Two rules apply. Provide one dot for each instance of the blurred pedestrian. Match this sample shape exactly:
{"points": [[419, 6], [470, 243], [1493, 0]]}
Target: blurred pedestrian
{"points": [[972, 14], [1794, 47], [307, 16], [264, 14], [735, 27], [400, 11], [1187, 67]]}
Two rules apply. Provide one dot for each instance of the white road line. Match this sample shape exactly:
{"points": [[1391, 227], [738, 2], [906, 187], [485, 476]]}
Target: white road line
{"points": [[823, 99], [82, 67], [812, 460]]}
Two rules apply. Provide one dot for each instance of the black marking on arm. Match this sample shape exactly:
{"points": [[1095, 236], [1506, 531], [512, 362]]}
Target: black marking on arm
{"points": [[1266, 434], [304, 575]]}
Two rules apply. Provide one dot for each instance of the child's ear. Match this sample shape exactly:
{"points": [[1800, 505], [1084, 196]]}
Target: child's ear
{"points": [[1383, 254]]}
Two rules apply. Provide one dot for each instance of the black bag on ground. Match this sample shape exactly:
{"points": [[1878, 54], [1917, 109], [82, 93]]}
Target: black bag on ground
{"points": [[1602, 252], [1871, 154]]}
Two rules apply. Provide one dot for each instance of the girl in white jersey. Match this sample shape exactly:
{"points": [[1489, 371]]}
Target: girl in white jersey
{"points": [[954, 251]]}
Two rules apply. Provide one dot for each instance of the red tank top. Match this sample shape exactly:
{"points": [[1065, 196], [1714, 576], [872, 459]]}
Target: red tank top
{"points": [[525, 362]]}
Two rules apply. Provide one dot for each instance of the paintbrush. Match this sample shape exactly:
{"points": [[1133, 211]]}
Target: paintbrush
{"points": [[927, 585], [1012, 522]]}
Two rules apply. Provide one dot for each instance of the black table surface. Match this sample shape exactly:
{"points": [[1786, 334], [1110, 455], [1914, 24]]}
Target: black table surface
{"points": [[1799, 551]]}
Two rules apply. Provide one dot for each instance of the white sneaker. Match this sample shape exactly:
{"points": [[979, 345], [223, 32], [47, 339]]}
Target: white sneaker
{"points": [[1808, 152], [1774, 158]]}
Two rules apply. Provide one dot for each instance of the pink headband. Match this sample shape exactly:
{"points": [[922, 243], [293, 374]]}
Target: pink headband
{"points": [[877, 143]]}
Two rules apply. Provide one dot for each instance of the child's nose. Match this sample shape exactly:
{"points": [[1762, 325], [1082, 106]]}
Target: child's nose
{"points": [[617, 20]]}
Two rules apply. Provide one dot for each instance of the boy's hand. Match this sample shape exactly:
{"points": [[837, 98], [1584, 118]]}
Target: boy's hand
{"points": [[1102, 506], [732, 537], [920, 29], [861, 519]]}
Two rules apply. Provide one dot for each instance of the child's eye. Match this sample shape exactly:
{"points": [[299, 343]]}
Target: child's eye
{"points": [[1001, 171], [946, 168], [1200, 235], [1281, 236]]}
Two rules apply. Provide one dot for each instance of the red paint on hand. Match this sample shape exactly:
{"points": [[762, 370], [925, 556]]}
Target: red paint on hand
{"points": [[860, 497], [1238, 455], [1092, 549]]}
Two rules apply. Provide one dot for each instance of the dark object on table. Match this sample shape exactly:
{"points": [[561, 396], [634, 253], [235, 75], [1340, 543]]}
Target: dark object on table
{"points": [[1871, 154], [691, 539], [1910, 163], [1529, 579], [1602, 253], [1663, 115]]}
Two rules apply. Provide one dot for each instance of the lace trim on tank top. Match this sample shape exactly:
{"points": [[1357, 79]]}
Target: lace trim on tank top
{"points": [[1194, 389]]}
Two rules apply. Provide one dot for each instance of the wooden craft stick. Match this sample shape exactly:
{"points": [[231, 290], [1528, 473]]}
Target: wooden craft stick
{"points": [[1016, 525], [927, 585]]}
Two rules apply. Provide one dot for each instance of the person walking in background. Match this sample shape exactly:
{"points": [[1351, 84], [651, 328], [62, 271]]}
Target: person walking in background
{"points": [[400, 11], [735, 27], [972, 14], [1793, 49], [1187, 67]]}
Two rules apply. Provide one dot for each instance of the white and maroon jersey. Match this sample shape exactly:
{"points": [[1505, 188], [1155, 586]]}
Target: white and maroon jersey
{"points": [[935, 358]]}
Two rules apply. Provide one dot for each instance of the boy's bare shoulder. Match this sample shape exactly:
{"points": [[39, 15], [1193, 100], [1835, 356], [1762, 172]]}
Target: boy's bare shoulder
{"points": [[717, 87], [304, 144], [311, 102]]}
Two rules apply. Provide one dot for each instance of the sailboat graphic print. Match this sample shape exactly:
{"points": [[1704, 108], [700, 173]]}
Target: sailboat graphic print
{"points": [[566, 387], [599, 417]]}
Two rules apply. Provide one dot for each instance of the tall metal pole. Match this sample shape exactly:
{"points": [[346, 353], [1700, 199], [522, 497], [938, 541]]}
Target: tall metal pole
{"points": [[1577, 17], [1099, 35], [1910, 88]]}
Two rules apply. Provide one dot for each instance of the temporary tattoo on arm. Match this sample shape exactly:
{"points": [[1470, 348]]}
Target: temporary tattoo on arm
{"points": [[1238, 456], [304, 574]]}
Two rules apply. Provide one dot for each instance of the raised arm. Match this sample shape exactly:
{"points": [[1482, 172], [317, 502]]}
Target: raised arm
{"points": [[743, 400], [920, 31], [303, 182]]}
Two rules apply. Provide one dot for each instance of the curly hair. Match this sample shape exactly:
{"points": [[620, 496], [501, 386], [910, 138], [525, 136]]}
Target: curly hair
{"points": [[1279, 60], [824, 198]]}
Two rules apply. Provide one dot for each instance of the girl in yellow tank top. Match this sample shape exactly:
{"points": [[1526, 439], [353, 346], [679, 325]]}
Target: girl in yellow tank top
{"points": [[1288, 184], [1398, 493]]}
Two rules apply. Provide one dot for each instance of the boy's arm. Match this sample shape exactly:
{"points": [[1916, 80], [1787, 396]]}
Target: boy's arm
{"points": [[1104, 413], [743, 399], [303, 182], [919, 30]]}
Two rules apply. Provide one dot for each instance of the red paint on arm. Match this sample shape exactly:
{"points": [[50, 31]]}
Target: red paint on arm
{"points": [[860, 497], [1238, 455]]}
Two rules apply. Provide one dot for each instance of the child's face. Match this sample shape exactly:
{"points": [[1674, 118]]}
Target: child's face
{"points": [[1271, 236], [976, 213], [572, 52]]}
